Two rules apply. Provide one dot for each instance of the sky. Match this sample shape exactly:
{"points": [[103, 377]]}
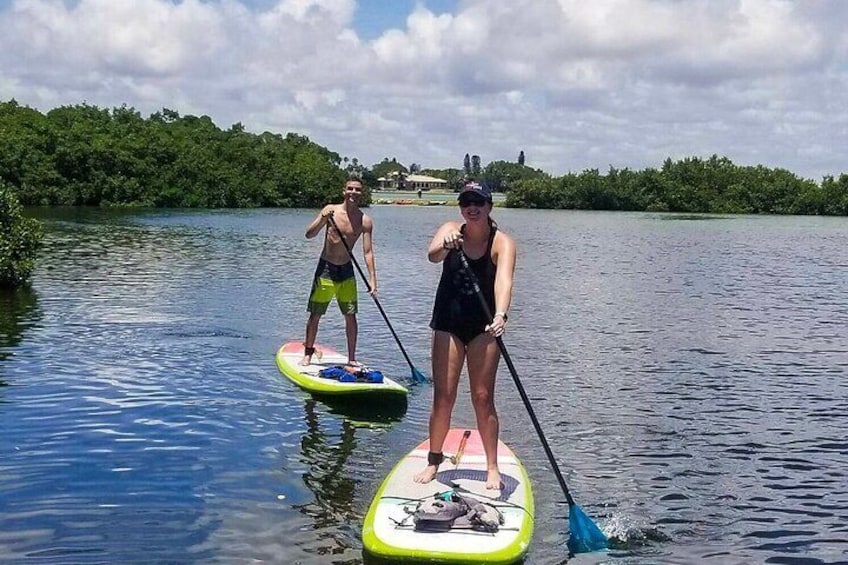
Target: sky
{"points": [[574, 84]]}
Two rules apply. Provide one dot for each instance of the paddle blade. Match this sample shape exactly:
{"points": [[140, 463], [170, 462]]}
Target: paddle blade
{"points": [[418, 377], [585, 536]]}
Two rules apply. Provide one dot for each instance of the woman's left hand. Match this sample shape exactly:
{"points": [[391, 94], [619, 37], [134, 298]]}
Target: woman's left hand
{"points": [[497, 327]]}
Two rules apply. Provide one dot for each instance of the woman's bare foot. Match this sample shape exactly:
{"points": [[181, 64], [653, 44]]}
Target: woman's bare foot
{"points": [[306, 361], [427, 475], [493, 480]]}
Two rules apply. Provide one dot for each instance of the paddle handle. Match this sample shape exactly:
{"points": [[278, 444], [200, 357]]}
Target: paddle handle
{"points": [[524, 398], [368, 286], [455, 459]]}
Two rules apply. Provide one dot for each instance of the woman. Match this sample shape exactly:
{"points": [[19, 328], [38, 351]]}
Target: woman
{"points": [[461, 330]]}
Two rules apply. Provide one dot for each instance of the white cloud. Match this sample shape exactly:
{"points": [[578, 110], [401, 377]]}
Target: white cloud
{"points": [[574, 84]]}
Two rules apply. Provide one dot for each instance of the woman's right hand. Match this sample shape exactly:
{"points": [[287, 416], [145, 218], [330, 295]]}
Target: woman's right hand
{"points": [[453, 240]]}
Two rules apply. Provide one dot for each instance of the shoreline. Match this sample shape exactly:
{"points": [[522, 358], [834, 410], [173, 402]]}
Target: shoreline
{"points": [[427, 198]]}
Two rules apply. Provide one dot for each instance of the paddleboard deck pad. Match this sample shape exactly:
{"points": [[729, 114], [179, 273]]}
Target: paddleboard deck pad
{"points": [[389, 531], [309, 378]]}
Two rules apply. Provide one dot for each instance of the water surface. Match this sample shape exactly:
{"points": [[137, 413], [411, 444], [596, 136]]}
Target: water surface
{"points": [[689, 374]]}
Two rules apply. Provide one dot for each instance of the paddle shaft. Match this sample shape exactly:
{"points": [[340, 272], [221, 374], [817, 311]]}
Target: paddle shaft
{"points": [[518, 385], [368, 286]]}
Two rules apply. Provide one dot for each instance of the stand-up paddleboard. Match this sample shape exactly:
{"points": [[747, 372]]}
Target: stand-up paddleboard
{"points": [[389, 531], [309, 378]]}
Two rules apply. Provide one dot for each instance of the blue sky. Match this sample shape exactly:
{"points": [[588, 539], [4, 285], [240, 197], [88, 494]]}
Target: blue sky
{"points": [[373, 17], [575, 85]]}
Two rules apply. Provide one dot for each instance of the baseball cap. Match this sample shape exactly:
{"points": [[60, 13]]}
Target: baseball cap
{"points": [[478, 189]]}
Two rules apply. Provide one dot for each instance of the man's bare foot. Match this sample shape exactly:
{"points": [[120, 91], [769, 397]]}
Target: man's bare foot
{"points": [[427, 475], [308, 352], [493, 480]]}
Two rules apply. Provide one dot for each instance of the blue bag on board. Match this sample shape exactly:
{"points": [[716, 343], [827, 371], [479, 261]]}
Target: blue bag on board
{"points": [[373, 376]]}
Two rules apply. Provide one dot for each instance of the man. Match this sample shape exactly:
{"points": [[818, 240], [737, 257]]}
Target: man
{"points": [[335, 275]]}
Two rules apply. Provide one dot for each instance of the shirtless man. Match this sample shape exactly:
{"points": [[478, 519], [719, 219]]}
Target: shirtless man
{"points": [[335, 275]]}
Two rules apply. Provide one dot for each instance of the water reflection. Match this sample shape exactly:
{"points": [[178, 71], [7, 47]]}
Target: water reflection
{"points": [[378, 410], [325, 452], [18, 312]]}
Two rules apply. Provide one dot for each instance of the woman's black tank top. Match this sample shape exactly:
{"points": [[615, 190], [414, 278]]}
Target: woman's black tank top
{"points": [[457, 308]]}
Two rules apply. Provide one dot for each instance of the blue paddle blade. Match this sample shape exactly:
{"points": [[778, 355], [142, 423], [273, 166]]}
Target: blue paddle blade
{"points": [[585, 536], [418, 377]]}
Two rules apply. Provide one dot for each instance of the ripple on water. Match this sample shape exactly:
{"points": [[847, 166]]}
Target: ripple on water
{"points": [[687, 375]]}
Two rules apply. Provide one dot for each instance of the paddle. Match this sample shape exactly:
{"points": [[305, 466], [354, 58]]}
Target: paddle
{"points": [[455, 458], [417, 376], [585, 534]]}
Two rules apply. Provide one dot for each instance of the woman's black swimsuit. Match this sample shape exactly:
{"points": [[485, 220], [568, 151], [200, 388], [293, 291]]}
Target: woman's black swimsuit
{"points": [[457, 309]]}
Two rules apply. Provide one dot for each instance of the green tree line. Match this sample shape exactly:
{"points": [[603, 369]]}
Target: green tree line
{"points": [[713, 185], [87, 156], [84, 155]]}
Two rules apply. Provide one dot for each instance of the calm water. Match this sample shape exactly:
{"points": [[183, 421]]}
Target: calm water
{"points": [[690, 375]]}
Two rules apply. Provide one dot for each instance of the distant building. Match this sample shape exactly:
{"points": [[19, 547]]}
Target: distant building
{"points": [[410, 182]]}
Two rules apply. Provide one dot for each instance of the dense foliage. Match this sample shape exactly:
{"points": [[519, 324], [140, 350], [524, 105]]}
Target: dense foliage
{"points": [[386, 167], [84, 155], [501, 176], [713, 185], [20, 239]]}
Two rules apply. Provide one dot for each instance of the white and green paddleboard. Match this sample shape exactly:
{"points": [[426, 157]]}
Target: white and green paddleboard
{"points": [[308, 376], [389, 533]]}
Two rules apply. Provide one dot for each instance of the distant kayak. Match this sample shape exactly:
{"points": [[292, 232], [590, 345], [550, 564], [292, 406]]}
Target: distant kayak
{"points": [[327, 374], [486, 526]]}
